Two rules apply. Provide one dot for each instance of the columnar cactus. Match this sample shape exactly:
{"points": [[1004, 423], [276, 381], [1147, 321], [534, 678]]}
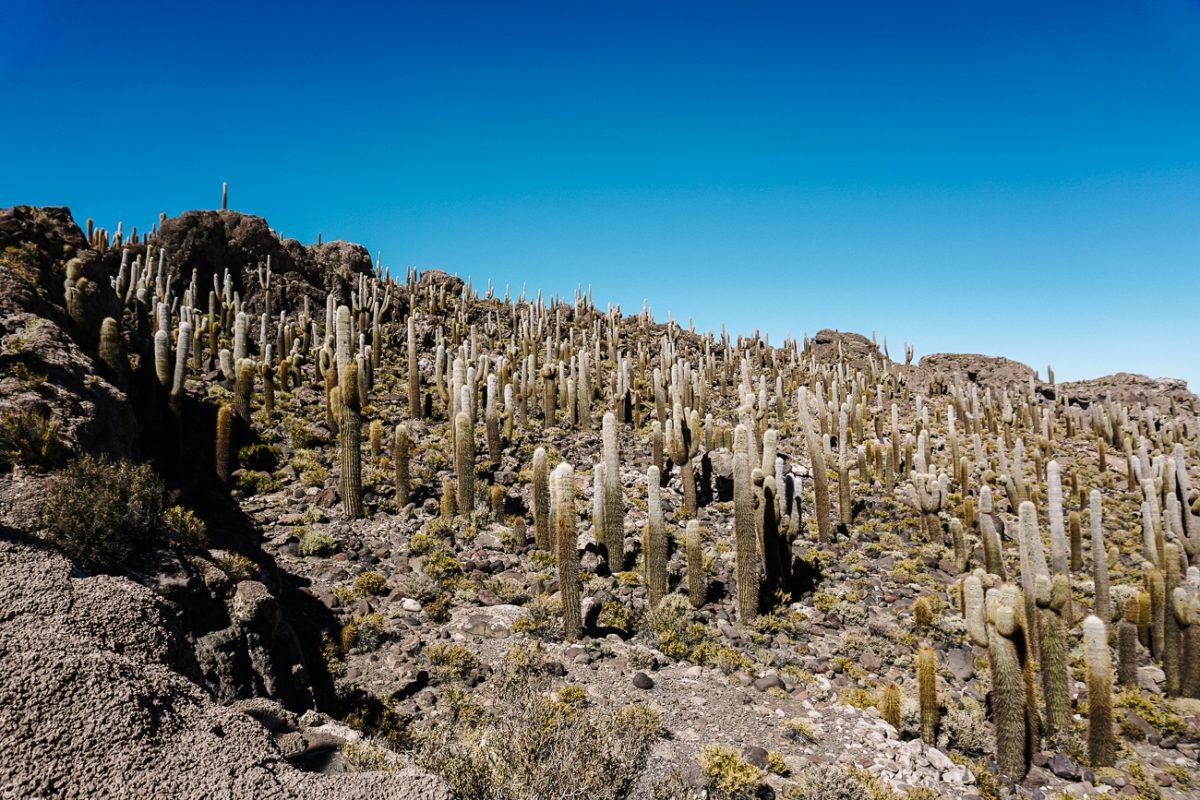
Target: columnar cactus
{"points": [[927, 693], [1172, 639], [614, 498], [243, 389], [1013, 705], [683, 445], [541, 500], [962, 554], [1098, 664], [350, 442], [1127, 642], [562, 487], [224, 445], [820, 474], [1099, 557], [414, 372], [992, 552], [112, 353], [655, 546], [464, 462], [401, 454], [697, 586], [889, 705], [1051, 597], [927, 493], [745, 534]]}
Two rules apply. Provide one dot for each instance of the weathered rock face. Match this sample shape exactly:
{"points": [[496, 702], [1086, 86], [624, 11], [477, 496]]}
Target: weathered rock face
{"points": [[988, 372], [1125, 387], [93, 703], [43, 362], [209, 242], [855, 348]]}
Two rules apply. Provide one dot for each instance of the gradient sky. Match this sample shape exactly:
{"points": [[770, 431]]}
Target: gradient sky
{"points": [[1013, 179]]}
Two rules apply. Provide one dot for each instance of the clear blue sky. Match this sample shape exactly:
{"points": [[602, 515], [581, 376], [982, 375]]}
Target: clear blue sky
{"points": [[1008, 178]]}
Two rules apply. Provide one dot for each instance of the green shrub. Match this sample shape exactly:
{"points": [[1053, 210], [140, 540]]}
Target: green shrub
{"points": [[184, 527], [30, 438], [370, 584], [99, 510], [260, 457], [318, 543], [524, 744], [728, 776]]}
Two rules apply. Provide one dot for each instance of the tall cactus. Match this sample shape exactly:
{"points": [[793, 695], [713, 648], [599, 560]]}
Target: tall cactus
{"points": [[1098, 663], [820, 474], [655, 546], [562, 487], [1172, 639], [697, 586], [614, 499], [1013, 710], [683, 445], [112, 353], [224, 443], [401, 454], [1127, 642], [1099, 558], [414, 372], [745, 533], [541, 500], [350, 442], [464, 462], [927, 693], [1051, 597]]}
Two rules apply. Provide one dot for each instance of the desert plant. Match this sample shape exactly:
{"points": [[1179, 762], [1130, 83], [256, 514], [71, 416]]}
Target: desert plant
{"points": [[350, 442], [1098, 664]]}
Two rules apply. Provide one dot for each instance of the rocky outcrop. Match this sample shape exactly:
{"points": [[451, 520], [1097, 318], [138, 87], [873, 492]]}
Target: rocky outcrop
{"points": [[44, 366], [987, 372], [93, 703], [1125, 387], [209, 242], [828, 345]]}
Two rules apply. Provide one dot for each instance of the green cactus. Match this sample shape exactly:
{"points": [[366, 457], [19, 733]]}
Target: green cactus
{"points": [[562, 487], [350, 442], [1013, 711], [243, 389], [224, 447], [745, 534], [464, 462], [614, 498], [1127, 642], [541, 500], [697, 586], [1051, 596], [1099, 558], [927, 693], [1098, 664], [112, 353], [401, 454], [655, 546], [414, 372]]}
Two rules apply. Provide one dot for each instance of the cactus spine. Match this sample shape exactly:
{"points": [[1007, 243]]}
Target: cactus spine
{"points": [[562, 487], [350, 442], [1098, 663]]}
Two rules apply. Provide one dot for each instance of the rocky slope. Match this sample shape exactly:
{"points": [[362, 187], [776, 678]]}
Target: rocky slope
{"points": [[304, 653]]}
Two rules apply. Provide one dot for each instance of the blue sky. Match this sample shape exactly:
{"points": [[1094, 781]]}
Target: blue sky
{"points": [[1013, 179]]}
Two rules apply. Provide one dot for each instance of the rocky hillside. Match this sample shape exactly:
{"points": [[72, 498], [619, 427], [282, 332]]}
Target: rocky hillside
{"points": [[276, 522]]}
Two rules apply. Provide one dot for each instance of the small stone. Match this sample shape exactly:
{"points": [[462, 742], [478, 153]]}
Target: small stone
{"points": [[642, 681], [756, 756], [770, 681], [409, 604], [1063, 767]]}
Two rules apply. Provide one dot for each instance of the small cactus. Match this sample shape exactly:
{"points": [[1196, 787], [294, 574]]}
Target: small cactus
{"points": [[889, 705]]}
